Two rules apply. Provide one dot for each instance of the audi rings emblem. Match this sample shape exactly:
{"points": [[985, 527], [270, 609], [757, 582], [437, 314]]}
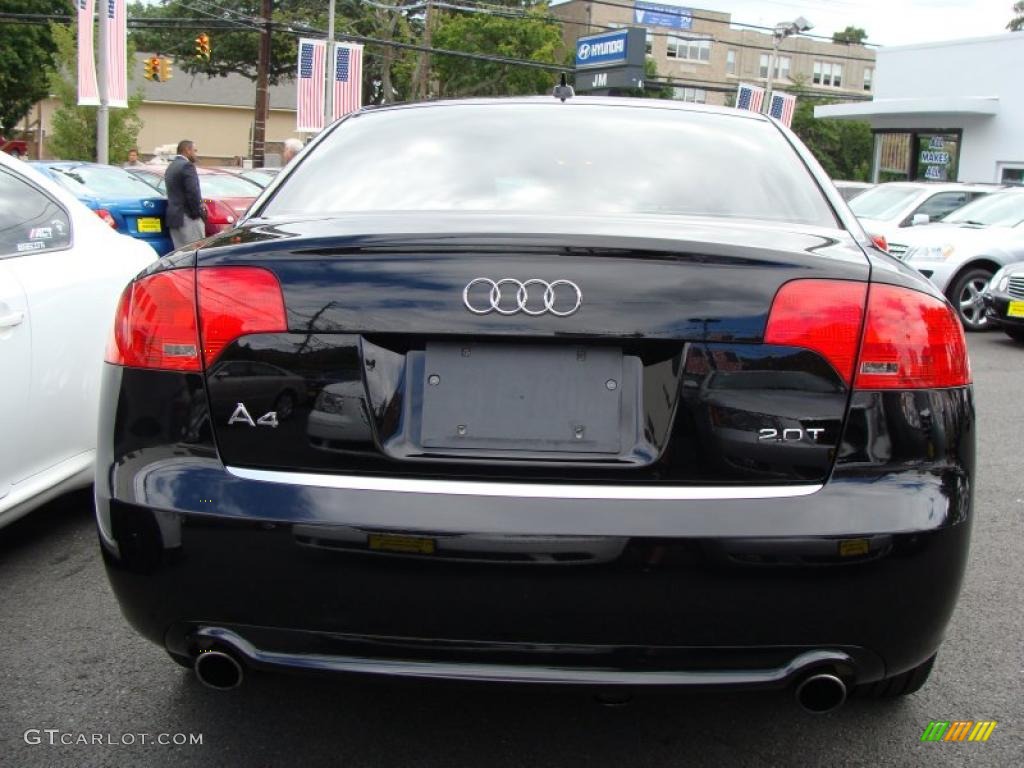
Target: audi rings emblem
{"points": [[531, 297]]}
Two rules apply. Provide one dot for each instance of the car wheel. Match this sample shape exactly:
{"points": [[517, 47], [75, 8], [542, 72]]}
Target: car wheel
{"points": [[16, 154], [1017, 334], [901, 685], [965, 296], [284, 406]]}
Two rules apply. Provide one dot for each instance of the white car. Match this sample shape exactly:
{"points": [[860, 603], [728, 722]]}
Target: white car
{"points": [[889, 209], [62, 270], [961, 254]]}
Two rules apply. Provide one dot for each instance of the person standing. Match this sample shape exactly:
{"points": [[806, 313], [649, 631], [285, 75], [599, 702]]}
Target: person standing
{"points": [[186, 214], [292, 147], [133, 159]]}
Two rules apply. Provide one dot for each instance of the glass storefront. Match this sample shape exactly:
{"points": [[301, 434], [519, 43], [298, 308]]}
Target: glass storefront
{"points": [[919, 155]]}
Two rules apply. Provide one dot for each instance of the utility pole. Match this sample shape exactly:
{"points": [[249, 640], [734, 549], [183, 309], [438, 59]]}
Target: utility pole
{"points": [[423, 81], [329, 69], [103, 113], [772, 58], [259, 132]]}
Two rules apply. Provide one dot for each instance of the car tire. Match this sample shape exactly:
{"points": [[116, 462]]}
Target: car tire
{"points": [[965, 296], [902, 684], [1017, 334], [16, 154]]}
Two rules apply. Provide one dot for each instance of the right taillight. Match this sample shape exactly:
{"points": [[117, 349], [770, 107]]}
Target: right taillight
{"points": [[158, 323], [107, 217], [911, 341]]}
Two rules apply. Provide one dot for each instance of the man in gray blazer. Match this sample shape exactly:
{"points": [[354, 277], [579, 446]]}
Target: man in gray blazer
{"points": [[186, 213]]}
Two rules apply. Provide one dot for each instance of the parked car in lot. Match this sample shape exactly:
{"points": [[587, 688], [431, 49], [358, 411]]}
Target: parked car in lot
{"points": [[61, 271], [533, 336], [226, 195], [124, 203], [888, 209], [1004, 300], [961, 254], [851, 189]]}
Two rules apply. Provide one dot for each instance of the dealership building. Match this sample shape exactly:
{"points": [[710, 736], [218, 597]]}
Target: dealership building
{"points": [[706, 55], [946, 111]]}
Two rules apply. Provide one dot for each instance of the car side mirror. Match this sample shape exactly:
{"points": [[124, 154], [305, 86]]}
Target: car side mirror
{"points": [[919, 219]]}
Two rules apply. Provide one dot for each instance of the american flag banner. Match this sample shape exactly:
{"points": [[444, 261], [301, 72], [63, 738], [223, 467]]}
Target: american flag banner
{"points": [[348, 79], [310, 92], [749, 97], [782, 107], [117, 52], [88, 91]]}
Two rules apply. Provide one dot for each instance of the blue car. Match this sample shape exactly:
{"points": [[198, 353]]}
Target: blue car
{"points": [[126, 203]]}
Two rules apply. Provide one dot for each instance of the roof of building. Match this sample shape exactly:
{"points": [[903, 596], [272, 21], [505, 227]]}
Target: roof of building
{"points": [[230, 91], [949, 106]]}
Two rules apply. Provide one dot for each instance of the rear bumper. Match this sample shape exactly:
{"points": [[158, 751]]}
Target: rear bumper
{"points": [[858, 577], [996, 305]]}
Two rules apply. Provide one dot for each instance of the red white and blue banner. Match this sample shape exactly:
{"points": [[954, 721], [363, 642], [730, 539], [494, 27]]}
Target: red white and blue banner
{"points": [[782, 107], [348, 79], [116, 19], [749, 97], [88, 91], [310, 86]]}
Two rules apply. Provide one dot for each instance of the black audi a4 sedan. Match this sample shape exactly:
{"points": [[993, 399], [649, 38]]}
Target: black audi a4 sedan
{"points": [[602, 392]]}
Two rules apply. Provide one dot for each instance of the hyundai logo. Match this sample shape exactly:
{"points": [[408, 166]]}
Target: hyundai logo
{"points": [[584, 52], [531, 297]]}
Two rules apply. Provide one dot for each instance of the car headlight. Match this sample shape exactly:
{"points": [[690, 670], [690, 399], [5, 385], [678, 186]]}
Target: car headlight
{"points": [[930, 253], [999, 281]]}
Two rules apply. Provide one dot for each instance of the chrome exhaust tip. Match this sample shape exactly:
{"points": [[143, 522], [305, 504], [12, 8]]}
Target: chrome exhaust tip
{"points": [[821, 693], [218, 670]]}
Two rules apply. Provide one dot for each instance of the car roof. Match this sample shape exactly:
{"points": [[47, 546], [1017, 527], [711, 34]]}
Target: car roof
{"points": [[942, 186], [575, 101]]}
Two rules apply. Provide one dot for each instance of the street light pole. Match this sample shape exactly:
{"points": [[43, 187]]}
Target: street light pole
{"points": [[103, 112], [329, 69], [782, 31]]}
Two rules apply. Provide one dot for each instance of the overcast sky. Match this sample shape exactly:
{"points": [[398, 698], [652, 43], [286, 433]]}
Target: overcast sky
{"points": [[888, 22]]}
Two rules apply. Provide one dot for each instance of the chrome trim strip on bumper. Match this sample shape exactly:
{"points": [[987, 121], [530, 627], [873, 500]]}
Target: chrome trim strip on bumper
{"points": [[526, 490]]}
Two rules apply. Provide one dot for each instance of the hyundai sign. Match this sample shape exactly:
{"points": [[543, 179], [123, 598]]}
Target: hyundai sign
{"points": [[603, 50]]}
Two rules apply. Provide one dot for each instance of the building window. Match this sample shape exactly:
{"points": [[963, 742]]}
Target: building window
{"points": [[691, 50], [650, 42], [730, 62], [782, 65], [827, 73], [869, 75], [692, 95]]}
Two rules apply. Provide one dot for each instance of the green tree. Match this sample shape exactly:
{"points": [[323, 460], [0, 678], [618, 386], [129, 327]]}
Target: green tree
{"points": [[529, 36], [1017, 22], [26, 58], [73, 134], [843, 147], [854, 35]]}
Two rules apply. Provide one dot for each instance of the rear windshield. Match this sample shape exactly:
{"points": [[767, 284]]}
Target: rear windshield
{"points": [[883, 202], [998, 210], [226, 185], [102, 182], [533, 158]]}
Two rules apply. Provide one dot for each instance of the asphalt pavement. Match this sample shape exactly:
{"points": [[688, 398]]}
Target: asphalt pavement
{"points": [[71, 670]]}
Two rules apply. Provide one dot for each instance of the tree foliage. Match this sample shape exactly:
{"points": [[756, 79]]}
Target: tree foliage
{"points": [[26, 58], [1017, 22], [843, 147], [854, 35], [73, 133], [530, 37]]}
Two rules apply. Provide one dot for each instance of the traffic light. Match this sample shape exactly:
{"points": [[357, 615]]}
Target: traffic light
{"points": [[203, 46], [165, 70], [151, 69]]}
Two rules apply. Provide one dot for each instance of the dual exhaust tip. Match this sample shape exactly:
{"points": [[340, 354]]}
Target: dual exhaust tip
{"points": [[818, 693]]}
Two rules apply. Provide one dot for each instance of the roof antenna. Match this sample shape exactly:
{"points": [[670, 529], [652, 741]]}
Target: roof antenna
{"points": [[563, 91]]}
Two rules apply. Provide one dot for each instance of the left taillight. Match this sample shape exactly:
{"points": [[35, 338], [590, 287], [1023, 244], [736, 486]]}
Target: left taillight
{"points": [[160, 325]]}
